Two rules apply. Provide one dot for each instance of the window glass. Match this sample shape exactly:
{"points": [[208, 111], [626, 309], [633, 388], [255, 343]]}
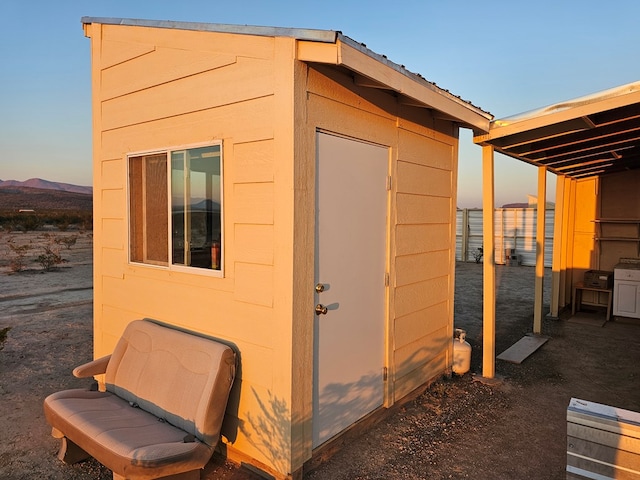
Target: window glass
{"points": [[192, 181], [195, 207]]}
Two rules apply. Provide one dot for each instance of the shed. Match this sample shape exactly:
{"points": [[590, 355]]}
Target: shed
{"points": [[592, 144], [290, 192]]}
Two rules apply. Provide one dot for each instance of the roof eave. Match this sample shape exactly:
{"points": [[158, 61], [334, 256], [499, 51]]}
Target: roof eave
{"points": [[391, 76]]}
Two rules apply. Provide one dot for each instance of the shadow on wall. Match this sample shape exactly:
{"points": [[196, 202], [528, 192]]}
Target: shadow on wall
{"points": [[272, 423], [344, 403]]}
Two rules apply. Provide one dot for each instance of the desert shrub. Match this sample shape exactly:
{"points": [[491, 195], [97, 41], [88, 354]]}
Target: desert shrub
{"points": [[28, 222], [62, 220], [49, 259], [3, 336], [67, 241], [17, 263]]}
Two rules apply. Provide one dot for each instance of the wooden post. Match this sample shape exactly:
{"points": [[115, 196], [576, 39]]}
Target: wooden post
{"points": [[556, 268], [464, 243], [541, 217], [488, 266], [567, 227]]}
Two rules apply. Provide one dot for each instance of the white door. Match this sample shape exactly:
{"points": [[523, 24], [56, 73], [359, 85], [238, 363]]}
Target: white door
{"points": [[351, 224]]}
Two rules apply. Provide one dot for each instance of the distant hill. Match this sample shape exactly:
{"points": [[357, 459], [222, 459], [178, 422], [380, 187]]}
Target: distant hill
{"points": [[47, 185], [15, 198]]}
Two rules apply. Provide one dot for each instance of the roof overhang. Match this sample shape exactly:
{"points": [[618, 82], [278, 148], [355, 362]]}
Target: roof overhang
{"points": [[593, 135], [376, 71], [333, 48]]}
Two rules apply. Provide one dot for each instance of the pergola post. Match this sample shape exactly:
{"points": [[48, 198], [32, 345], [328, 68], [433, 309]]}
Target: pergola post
{"points": [[558, 234], [488, 266], [540, 241]]}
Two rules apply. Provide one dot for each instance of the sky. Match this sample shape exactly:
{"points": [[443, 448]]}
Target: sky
{"points": [[506, 57]]}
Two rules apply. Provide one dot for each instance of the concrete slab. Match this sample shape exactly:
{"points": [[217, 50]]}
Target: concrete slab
{"points": [[523, 348]]}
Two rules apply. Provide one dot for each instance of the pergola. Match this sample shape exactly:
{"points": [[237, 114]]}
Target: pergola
{"points": [[593, 135]]}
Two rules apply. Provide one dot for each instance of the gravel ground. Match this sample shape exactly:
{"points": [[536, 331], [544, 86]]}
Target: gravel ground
{"points": [[456, 428]]}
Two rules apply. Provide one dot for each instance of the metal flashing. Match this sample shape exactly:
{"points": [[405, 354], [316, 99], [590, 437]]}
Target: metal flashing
{"points": [[313, 35]]}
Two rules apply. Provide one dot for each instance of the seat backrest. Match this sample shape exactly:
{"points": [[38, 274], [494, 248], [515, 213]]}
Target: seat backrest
{"points": [[179, 377]]}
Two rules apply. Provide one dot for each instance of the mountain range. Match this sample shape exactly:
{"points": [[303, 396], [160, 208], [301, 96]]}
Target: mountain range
{"points": [[43, 195], [47, 185]]}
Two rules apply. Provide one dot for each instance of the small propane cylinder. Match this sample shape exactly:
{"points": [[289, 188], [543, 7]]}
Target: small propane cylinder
{"points": [[461, 352]]}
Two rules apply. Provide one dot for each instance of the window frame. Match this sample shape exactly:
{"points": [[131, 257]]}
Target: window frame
{"points": [[170, 266]]}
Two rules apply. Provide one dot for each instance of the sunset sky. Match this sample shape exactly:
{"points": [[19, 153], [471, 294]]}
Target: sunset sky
{"points": [[505, 57]]}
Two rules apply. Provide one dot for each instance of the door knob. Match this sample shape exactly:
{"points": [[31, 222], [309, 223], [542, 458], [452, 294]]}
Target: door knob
{"points": [[321, 309], [319, 288]]}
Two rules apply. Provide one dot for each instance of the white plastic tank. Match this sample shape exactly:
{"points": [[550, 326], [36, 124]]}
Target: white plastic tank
{"points": [[461, 352]]}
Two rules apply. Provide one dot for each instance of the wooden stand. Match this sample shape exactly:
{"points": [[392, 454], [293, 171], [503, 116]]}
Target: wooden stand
{"points": [[579, 287]]}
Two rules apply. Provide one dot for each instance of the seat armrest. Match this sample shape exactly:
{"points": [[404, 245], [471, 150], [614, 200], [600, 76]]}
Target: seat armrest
{"points": [[95, 367]]}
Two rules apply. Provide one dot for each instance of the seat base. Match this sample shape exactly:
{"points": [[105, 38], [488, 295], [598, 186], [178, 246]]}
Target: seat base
{"points": [[71, 453]]}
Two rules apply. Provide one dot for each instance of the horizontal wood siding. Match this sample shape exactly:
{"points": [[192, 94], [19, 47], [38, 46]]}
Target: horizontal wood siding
{"points": [[159, 66], [134, 38], [415, 239], [423, 283], [161, 88], [415, 268], [242, 81], [253, 243]]}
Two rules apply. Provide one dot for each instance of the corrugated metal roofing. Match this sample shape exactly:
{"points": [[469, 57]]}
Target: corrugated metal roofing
{"points": [[313, 35]]}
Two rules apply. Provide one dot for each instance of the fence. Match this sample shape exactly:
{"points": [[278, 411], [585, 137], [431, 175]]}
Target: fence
{"points": [[515, 228]]}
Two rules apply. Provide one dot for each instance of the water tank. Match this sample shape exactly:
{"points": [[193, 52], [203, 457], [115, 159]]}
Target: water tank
{"points": [[461, 352]]}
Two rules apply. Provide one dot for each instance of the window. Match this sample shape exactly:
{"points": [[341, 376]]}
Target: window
{"points": [[175, 206]]}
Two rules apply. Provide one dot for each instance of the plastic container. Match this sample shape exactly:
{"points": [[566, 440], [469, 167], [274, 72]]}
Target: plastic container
{"points": [[461, 352]]}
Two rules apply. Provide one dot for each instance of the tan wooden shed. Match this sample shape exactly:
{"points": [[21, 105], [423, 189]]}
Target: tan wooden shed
{"points": [[287, 191]]}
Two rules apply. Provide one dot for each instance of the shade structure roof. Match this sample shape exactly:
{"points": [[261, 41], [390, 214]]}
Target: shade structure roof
{"points": [[593, 135]]}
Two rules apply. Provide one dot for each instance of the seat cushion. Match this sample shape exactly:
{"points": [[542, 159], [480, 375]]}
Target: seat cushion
{"points": [[179, 376], [124, 438]]}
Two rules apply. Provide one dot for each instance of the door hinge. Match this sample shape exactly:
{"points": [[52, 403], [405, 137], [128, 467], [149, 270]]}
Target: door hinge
{"points": [[386, 279], [385, 374], [389, 182]]}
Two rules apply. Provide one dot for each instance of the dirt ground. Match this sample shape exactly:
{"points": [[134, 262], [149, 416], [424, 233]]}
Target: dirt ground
{"points": [[456, 428]]}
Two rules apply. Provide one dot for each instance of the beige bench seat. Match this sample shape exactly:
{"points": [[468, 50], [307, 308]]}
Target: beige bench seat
{"points": [[162, 411]]}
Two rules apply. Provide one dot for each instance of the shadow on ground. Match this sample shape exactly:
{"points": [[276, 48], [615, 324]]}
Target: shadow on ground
{"points": [[456, 428]]}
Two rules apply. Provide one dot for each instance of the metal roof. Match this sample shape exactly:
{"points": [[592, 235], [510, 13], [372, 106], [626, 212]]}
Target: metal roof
{"points": [[592, 135], [299, 33], [311, 35]]}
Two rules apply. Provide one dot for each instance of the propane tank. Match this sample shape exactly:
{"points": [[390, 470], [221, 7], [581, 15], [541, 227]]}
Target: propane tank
{"points": [[461, 352]]}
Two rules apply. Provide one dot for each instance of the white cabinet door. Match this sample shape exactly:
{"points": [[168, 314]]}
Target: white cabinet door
{"points": [[626, 302]]}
